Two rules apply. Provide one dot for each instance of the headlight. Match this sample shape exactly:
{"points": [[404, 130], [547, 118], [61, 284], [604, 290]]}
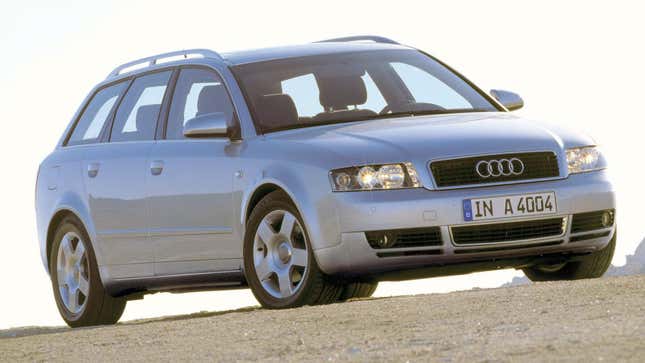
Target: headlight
{"points": [[583, 159], [375, 177]]}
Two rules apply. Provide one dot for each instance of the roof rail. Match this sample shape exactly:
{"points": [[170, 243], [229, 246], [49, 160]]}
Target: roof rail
{"points": [[374, 38], [152, 60]]}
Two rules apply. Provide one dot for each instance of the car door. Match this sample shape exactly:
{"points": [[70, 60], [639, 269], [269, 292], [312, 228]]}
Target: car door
{"points": [[190, 184], [115, 173]]}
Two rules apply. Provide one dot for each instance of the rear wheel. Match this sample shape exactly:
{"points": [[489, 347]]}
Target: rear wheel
{"points": [[358, 290], [278, 259], [591, 266], [78, 290]]}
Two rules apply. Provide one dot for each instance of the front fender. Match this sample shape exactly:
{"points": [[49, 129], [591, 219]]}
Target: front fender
{"points": [[313, 200]]}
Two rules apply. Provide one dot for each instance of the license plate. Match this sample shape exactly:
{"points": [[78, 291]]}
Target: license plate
{"points": [[509, 206]]}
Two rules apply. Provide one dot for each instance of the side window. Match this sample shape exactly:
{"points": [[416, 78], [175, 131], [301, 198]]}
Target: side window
{"points": [[89, 126], [428, 89], [304, 92], [198, 92], [136, 118]]}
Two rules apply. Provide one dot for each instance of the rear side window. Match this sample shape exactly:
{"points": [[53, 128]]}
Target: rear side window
{"points": [[136, 118], [89, 126]]}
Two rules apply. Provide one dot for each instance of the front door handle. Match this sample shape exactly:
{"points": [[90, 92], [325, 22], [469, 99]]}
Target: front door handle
{"points": [[93, 169], [156, 167]]}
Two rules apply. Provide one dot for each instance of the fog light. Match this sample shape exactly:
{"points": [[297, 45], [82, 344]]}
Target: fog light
{"points": [[381, 239], [607, 218]]}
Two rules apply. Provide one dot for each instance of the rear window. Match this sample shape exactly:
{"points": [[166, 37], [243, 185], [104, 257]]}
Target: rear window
{"points": [[90, 124]]}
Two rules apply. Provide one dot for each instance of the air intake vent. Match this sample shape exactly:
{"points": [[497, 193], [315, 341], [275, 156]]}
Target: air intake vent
{"points": [[507, 232], [463, 171]]}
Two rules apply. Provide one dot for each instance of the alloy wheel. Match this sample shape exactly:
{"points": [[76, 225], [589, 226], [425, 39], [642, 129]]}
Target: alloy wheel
{"points": [[280, 254], [73, 273]]}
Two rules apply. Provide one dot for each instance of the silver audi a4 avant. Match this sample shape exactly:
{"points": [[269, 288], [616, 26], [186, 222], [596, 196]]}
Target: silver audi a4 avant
{"points": [[309, 173]]}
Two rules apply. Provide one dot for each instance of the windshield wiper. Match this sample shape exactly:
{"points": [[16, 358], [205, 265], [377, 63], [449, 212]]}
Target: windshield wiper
{"points": [[376, 117], [427, 112]]}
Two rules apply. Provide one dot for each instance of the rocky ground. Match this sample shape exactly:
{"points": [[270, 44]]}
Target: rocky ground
{"points": [[592, 320]]}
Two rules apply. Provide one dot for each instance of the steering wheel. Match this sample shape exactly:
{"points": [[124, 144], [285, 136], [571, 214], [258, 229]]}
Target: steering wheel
{"points": [[395, 106], [385, 110], [388, 108]]}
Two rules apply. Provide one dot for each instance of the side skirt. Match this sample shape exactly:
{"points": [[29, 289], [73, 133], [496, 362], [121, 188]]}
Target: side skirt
{"points": [[137, 287]]}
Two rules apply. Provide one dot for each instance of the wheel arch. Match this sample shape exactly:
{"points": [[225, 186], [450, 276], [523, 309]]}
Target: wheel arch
{"points": [[261, 191], [54, 222], [315, 208], [58, 216]]}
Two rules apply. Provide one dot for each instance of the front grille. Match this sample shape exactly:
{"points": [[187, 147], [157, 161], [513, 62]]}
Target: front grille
{"points": [[583, 222], [506, 232], [458, 172], [401, 238]]}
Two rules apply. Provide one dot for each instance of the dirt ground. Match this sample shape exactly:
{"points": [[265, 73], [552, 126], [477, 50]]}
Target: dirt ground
{"points": [[592, 320]]}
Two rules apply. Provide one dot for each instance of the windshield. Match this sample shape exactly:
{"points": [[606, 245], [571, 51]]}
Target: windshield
{"points": [[315, 90]]}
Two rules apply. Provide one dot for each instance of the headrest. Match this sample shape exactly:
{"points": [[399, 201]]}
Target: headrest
{"points": [[213, 99], [277, 110], [147, 119], [338, 92]]}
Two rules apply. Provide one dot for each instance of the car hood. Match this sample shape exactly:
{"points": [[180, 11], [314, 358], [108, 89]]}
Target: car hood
{"points": [[423, 138]]}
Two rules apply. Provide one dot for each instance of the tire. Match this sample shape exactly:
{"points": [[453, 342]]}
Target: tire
{"points": [[357, 290], [78, 272], [591, 266], [278, 254]]}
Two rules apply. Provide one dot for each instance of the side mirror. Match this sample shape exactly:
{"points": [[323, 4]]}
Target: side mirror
{"points": [[512, 101], [210, 124]]}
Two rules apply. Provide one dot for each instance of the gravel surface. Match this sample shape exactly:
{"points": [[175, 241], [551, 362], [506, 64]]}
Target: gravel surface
{"points": [[592, 320]]}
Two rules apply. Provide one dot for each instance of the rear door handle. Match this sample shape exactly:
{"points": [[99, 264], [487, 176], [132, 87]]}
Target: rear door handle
{"points": [[156, 167], [93, 169]]}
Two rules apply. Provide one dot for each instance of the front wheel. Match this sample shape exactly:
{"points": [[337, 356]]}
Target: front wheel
{"points": [[589, 267], [78, 290], [358, 290], [279, 262]]}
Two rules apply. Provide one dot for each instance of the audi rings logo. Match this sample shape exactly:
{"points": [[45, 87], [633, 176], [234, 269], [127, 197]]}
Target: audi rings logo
{"points": [[501, 167]]}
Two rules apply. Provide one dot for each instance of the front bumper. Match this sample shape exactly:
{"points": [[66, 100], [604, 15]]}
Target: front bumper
{"points": [[359, 212]]}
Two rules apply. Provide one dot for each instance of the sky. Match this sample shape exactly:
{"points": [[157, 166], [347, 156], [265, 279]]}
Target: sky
{"points": [[575, 63]]}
